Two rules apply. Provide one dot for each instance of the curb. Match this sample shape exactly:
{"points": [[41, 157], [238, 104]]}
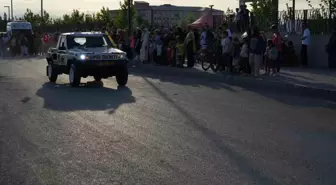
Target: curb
{"points": [[245, 82]]}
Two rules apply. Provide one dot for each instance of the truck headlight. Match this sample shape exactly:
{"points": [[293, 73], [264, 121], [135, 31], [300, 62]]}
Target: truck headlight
{"points": [[121, 56], [82, 57]]}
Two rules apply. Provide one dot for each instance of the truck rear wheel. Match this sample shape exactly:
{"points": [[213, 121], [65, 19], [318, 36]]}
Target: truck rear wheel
{"points": [[74, 76], [52, 73], [122, 76]]}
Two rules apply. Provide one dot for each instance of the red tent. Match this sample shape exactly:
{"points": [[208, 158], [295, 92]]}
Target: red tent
{"points": [[206, 19]]}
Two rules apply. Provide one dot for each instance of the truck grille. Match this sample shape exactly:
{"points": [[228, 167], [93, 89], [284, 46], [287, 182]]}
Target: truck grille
{"points": [[95, 57], [110, 57]]}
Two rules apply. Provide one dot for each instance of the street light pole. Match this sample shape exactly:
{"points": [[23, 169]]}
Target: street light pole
{"points": [[8, 11], [12, 14]]}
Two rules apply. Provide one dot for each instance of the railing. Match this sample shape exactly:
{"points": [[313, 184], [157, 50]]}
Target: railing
{"points": [[317, 19]]}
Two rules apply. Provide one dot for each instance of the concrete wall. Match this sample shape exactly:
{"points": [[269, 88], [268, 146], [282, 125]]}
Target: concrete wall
{"points": [[317, 56]]}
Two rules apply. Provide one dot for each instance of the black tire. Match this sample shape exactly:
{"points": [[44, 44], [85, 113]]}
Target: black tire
{"points": [[122, 76], [206, 63], [52, 73], [97, 78], [74, 76]]}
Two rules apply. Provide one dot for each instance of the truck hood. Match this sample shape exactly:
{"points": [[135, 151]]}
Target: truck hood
{"points": [[100, 50]]}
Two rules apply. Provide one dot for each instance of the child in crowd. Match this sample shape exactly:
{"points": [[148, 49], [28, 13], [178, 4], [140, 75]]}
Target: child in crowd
{"points": [[235, 54], [226, 44], [171, 52], [271, 57], [179, 52], [244, 57]]}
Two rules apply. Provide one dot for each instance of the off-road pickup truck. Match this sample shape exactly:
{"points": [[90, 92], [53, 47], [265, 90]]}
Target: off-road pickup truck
{"points": [[83, 54]]}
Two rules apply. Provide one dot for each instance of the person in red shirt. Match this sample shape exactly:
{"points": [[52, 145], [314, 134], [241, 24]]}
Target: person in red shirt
{"points": [[278, 42]]}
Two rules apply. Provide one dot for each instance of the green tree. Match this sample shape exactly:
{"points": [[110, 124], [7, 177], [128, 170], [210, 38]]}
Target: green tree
{"points": [[77, 17], [35, 19], [263, 11], [104, 15], [121, 20], [66, 19], [261, 8], [190, 18], [31, 17], [140, 21]]}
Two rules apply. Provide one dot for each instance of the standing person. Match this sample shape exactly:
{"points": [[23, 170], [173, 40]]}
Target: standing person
{"points": [[226, 51], [144, 46], [271, 55], [13, 47], [179, 52], [237, 19], [197, 39], [244, 57], [257, 47], [24, 45], [246, 17], [2, 46], [37, 44], [132, 47], [330, 49], [227, 29], [305, 43], [190, 46], [138, 45], [235, 54], [278, 42]]}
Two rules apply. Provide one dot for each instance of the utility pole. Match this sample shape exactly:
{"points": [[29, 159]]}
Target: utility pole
{"points": [[12, 14], [211, 14], [42, 19], [129, 3], [293, 9], [8, 11]]}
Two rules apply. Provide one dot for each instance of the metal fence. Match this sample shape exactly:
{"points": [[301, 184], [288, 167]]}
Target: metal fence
{"points": [[318, 20]]}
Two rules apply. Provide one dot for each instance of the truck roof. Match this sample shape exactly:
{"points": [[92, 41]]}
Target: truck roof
{"points": [[83, 34]]}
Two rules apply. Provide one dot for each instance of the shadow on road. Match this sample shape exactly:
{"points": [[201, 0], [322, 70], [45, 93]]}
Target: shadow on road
{"points": [[244, 164], [90, 96], [265, 87], [186, 76]]}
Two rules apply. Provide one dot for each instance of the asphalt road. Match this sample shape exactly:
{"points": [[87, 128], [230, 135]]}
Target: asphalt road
{"points": [[158, 131]]}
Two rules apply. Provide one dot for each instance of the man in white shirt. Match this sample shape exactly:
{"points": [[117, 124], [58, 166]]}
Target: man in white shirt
{"points": [[305, 43], [203, 39]]}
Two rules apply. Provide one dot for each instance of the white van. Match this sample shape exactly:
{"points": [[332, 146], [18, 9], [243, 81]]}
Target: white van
{"points": [[19, 27]]}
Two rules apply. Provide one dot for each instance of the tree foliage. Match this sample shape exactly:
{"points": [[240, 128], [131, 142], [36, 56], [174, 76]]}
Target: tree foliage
{"points": [[261, 8], [121, 20], [76, 17], [188, 19], [323, 11]]}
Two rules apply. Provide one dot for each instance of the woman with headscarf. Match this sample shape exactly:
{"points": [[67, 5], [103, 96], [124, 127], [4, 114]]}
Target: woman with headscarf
{"points": [[189, 44], [144, 46]]}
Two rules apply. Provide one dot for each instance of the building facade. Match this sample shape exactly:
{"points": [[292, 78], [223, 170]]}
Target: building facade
{"points": [[168, 15]]}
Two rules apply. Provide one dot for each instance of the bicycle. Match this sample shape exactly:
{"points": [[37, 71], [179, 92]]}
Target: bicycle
{"points": [[209, 60]]}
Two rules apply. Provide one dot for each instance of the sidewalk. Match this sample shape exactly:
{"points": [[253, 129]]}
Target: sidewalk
{"points": [[320, 83]]}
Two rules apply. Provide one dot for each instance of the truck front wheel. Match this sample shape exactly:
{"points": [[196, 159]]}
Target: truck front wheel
{"points": [[122, 76], [52, 73], [74, 76]]}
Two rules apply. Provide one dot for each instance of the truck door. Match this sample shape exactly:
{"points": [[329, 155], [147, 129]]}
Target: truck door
{"points": [[61, 51]]}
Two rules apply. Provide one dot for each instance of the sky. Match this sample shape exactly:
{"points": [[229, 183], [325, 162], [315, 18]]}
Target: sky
{"points": [[57, 8]]}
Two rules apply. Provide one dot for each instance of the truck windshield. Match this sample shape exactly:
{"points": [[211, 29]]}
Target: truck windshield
{"points": [[88, 41]]}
